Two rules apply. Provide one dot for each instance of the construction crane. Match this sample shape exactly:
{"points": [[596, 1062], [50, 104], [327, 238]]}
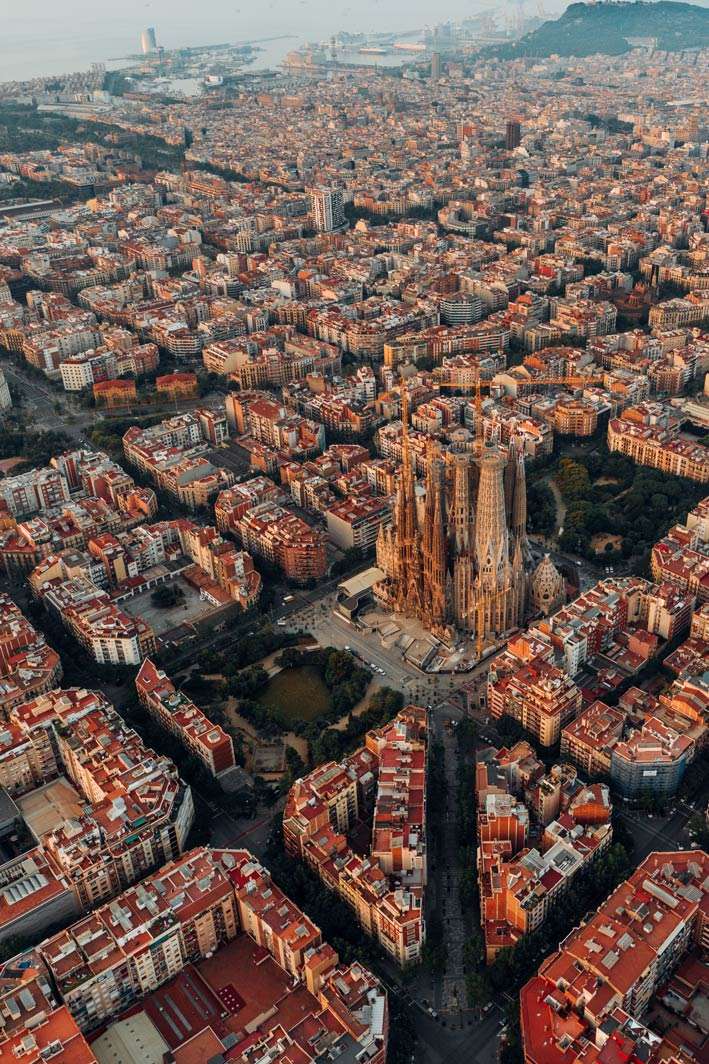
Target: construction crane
{"points": [[486, 383], [479, 384]]}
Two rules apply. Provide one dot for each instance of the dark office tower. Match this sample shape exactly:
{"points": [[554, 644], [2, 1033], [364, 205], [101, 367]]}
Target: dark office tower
{"points": [[513, 135], [435, 66]]}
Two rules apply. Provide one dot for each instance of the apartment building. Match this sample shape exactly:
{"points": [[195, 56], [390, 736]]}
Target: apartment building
{"points": [[33, 491], [106, 631], [109, 960], [28, 667], [644, 744], [614, 964], [157, 965], [587, 741], [53, 1033], [625, 620], [682, 556], [385, 889], [269, 423], [105, 809], [519, 885], [284, 540], [340, 409], [649, 436], [650, 760], [129, 562], [206, 741], [681, 313], [326, 206], [88, 368], [575, 417], [253, 364], [525, 683], [173, 454], [231, 570], [355, 522], [583, 319], [502, 422], [236, 501], [71, 480]]}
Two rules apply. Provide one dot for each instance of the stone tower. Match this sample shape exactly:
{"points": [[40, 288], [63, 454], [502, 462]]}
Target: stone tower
{"points": [[491, 535], [460, 563], [408, 567], [438, 574], [428, 524], [461, 529], [500, 586], [547, 591]]}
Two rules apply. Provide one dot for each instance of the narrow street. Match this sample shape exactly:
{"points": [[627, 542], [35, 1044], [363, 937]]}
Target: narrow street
{"points": [[449, 993]]}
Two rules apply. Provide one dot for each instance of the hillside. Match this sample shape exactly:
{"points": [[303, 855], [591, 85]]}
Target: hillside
{"points": [[585, 29]]}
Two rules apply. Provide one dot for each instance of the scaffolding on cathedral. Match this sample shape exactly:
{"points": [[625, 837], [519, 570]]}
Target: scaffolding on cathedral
{"points": [[459, 566]]}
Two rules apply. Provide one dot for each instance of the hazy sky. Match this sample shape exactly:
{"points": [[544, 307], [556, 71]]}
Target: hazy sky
{"points": [[54, 36], [48, 36], [179, 19]]}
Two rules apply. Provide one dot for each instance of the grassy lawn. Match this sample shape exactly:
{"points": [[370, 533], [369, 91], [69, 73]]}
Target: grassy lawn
{"points": [[296, 694]]}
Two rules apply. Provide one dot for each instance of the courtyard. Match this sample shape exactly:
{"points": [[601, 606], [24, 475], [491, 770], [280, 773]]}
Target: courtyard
{"points": [[51, 806], [191, 609]]}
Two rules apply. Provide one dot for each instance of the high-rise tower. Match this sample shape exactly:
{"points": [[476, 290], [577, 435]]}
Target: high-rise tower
{"points": [[513, 134], [327, 208], [148, 41]]}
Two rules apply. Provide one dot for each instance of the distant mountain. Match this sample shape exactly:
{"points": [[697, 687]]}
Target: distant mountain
{"points": [[585, 29]]}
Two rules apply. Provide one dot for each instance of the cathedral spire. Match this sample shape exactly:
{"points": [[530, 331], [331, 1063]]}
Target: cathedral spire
{"points": [[461, 515], [429, 513], [439, 561], [464, 566], [461, 532], [409, 568], [491, 538]]}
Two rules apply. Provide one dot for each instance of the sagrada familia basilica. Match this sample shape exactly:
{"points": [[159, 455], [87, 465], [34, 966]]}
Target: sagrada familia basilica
{"points": [[460, 563]]}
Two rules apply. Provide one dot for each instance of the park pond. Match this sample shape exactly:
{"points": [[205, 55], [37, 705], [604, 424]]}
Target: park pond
{"points": [[297, 693]]}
